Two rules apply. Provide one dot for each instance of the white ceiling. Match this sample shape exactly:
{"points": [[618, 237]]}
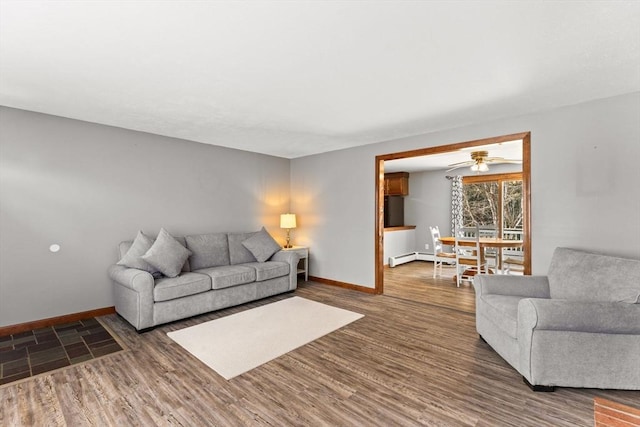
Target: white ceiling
{"points": [[297, 78], [510, 150]]}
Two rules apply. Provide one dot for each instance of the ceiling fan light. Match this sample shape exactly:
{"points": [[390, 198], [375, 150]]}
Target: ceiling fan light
{"points": [[479, 167]]}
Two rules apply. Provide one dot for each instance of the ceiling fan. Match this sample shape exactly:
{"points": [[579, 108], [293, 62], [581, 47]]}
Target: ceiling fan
{"points": [[480, 160]]}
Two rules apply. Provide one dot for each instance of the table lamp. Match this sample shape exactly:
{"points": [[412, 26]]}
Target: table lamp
{"points": [[288, 221]]}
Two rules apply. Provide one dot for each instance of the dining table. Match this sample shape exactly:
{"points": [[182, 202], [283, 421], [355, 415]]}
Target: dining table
{"points": [[488, 242]]}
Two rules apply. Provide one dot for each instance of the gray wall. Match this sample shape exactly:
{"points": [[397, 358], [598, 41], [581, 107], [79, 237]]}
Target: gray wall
{"points": [[88, 186], [584, 183], [400, 242], [428, 204]]}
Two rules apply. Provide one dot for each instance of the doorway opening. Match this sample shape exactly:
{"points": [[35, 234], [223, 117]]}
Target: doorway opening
{"points": [[524, 138]]}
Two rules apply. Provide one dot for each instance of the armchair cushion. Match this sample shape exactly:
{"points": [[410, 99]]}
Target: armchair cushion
{"points": [[261, 245], [502, 310], [167, 254], [582, 276]]}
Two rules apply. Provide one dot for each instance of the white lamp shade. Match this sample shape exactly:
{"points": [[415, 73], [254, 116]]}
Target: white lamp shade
{"points": [[288, 220]]}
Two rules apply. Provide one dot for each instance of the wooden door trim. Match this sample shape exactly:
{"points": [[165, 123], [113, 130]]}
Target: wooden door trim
{"points": [[379, 192]]}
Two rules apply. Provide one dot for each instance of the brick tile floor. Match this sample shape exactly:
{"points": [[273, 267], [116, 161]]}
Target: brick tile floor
{"points": [[34, 352]]}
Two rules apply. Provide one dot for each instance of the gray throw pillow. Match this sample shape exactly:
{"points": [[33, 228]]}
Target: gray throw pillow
{"points": [[167, 254], [238, 253], [133, 257], [261, 245]]}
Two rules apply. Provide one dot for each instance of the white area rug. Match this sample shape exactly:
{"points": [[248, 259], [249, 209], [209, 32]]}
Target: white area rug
{"points": [[237, 343]]}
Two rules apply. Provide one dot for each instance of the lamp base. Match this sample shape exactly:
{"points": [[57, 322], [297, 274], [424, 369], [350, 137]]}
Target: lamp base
{"points": [[288, 244]]}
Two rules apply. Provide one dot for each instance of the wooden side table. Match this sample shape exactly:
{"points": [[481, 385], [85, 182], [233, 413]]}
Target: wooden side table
{"points": [[303, 253]]}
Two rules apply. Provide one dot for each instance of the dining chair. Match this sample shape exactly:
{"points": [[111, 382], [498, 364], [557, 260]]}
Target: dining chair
{"points": [[510, 261], [468, 256], [491, 254], [439, 256], [512, 257], [466, 233]]}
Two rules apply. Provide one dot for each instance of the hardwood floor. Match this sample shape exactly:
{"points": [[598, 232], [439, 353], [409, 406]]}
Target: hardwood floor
{"points": [[414, 281], [414, 359]]}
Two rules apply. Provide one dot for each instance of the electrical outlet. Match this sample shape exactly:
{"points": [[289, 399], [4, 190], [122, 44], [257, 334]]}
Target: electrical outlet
{"points": [[426, 246]]}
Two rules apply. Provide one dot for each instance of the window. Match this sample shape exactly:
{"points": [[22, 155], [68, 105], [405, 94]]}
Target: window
{"points": [[494, 202]]}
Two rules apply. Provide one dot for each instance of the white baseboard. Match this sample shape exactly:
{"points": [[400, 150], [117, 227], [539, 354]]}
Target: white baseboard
{"points": [[423, 256], [401, 259], [408, 257]]}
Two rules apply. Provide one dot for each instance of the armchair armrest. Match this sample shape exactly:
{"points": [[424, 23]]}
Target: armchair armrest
{"points": [[579, 316], [522, 286], [578, 343], [292, 258]]}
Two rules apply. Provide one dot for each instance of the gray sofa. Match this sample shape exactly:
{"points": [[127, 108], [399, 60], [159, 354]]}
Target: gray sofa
{"points": [[579, 326], [220, 272]]}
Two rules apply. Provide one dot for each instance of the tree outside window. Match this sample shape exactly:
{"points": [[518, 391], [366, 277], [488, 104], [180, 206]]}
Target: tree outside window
{"points": [[494, 202]]}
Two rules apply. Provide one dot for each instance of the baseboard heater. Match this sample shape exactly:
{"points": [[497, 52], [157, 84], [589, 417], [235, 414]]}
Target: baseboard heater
{"points": [[411, 256]]}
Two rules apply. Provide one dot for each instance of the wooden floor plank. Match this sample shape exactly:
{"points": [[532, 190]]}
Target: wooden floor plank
{"points": [[414, 359]]}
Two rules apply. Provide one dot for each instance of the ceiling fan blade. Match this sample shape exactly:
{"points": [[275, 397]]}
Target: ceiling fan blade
{"points": [[478, 158], [465, 163], [501, 160]]}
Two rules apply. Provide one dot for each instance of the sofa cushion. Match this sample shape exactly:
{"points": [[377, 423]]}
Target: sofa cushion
{"points": [[237, 252], [167, 254], [584, 276], [133, 258], [261, 245], [229, 275], [502, 310], [208, 250], [269, 270], [169, 288]]}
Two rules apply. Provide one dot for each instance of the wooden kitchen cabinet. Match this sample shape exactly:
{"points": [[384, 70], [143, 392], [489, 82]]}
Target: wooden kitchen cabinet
{"points": [[396, 184]]}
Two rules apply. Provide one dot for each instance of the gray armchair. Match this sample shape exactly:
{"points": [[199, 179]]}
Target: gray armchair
{"points": [[579, 326]]}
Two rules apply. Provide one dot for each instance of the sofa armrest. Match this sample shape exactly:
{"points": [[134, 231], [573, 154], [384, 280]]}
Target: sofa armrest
{"points": [[292, 258], [522, 286], [137, 280], [579, 316], [133, 295], [286, 256]]}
